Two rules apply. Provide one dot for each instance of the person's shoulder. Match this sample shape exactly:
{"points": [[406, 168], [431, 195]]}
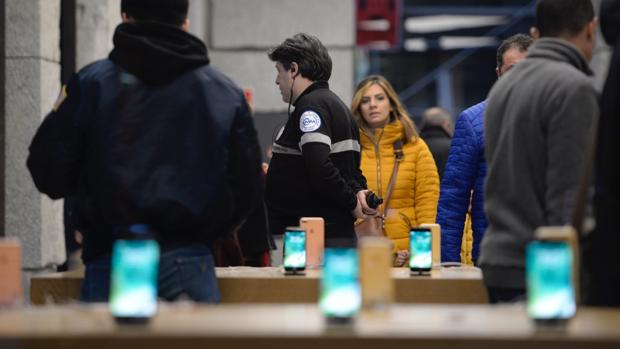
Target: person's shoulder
{"points": [[562, 74], [321, 95], [98, 65], [318, 96], [96, 69], [475, 111], [471, 118], [328, 101], [317, 100], [212, 76], [417, 145], [420, 152], [565, 81], [212, 73], [576, 79]]}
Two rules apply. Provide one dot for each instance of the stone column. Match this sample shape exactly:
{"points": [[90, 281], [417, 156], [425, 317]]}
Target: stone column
{"points": [[198, 18], [95, 23], [32, 83], [241, 31]]}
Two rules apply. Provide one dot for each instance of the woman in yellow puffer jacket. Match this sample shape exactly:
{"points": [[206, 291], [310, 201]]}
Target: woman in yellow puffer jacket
{"points": [[383, 120]]}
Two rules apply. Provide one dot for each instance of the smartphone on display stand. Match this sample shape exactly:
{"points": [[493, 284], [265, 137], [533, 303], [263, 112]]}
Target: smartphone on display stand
{"points": [[294, 250], [133, 280], [550, 270], [420, 250], [315, 240], [340, 295]]}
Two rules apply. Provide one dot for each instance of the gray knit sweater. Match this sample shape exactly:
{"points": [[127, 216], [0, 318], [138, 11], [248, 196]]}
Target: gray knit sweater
{"points": [[536, 134]]}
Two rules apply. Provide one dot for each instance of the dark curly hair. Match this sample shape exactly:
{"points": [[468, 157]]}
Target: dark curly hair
{"points": [[520, 42]]}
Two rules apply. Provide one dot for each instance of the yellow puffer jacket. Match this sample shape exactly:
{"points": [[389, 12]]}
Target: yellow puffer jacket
{"points": [[467, 242], [414, 197]]}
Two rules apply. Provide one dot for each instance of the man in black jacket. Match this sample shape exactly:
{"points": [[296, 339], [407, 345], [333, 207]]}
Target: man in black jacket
{"points": [[152, 135], [600, 254], [314, 171]]}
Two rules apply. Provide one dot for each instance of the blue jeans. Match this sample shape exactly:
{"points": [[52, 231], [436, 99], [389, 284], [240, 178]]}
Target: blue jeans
{"points": [[183, 271]]}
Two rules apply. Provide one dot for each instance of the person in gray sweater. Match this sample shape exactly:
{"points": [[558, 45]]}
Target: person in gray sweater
{"points": [[537, 133]]}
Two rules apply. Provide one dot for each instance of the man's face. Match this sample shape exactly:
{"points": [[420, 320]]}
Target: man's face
{"points": [[284, 80], [511, 57]]}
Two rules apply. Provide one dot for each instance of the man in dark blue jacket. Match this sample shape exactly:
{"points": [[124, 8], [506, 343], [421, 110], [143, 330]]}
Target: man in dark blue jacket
{"points": [[152, 135], [466, 167]]}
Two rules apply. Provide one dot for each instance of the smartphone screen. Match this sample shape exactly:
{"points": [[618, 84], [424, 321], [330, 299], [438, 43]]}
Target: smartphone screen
{"points": [[550, 291], [340, 297], [420, 249], [135, 267], [294, 249]]}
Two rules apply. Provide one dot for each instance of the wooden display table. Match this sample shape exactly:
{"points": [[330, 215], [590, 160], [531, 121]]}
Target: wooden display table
{"points": [[301, 326], [269, 285]]}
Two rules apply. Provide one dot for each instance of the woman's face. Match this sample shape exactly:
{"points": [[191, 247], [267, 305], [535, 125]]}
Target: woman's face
{"points": [[375, 106]]}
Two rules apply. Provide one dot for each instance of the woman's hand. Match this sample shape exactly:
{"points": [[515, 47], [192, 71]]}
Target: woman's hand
{"points": [[401, 258]]}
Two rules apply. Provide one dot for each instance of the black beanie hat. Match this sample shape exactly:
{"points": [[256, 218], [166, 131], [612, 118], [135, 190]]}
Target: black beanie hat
{"points": [[172, 12]]}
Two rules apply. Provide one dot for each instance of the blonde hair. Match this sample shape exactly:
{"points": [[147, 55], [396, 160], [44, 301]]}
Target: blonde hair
{"points": [[398, 111]]}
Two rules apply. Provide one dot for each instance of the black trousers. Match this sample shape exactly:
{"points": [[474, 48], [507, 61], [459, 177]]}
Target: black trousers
{"points": [[505, 295]]}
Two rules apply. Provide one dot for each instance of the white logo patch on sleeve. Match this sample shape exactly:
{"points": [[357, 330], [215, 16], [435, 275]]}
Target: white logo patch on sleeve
{"points": [[310, 121]]}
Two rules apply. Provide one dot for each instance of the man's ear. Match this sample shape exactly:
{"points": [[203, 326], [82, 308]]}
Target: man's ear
{"points": [[185, 25], [294, 69], [591, 30], [535, 33]]}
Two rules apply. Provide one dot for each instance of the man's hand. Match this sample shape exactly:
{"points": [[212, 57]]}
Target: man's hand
{"points": [[361, 199], [357, 212]]}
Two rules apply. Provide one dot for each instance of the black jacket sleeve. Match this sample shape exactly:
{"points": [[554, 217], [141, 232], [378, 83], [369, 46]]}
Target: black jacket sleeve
{"points": [[244, 173], [56, 152], [337, 183], [328, 179], [325, 177], [359, 181]]}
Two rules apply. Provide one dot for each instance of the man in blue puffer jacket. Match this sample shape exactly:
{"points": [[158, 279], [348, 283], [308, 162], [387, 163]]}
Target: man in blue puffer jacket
{"points": [[466, 167]]}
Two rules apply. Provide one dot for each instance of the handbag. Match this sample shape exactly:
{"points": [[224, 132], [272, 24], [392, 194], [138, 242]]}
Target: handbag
{"points": [[371, 226], [374, 226]]}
